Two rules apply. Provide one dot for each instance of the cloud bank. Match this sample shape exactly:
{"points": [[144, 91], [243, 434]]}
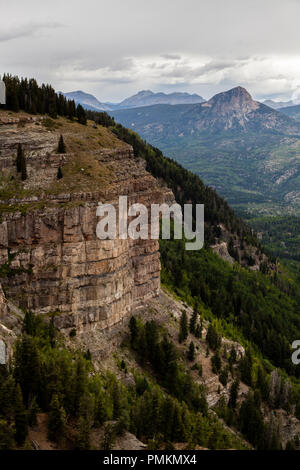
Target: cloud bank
{"points": [[114, 49]]}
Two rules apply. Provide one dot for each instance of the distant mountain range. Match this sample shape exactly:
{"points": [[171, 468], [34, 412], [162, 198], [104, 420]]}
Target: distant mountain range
{"points": [[233, 110], [292, 111], [278, 104], [148, 98], [87, 100], [248, 151], [142, 98]]}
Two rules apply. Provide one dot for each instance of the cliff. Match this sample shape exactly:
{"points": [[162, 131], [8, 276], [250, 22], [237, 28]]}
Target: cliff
{"points": [[51, 259]]}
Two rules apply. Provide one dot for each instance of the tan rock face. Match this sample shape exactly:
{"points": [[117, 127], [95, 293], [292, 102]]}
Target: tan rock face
{"points": [[64, 267], [57, 262]]}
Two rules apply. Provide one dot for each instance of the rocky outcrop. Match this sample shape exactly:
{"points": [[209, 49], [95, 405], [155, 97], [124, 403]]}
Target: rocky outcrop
{"points": [[222, 250], [10, 327], [48, 243]]}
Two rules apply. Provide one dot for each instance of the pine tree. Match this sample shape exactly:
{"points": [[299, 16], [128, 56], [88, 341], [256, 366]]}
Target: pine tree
{"points": [[6, 436], [212, 338], [109, 436], [81, 115], [19, 158], [183, 332], [198, 331], [262, 383], [52, 332], [59, 173], [232, 356], [21, 420], [216, 362], [223, 377], [191, 352], [234, 389], [79, 384], [245, 367], [61, 145], [27, 367], [251, 422], [56, 420], [193, 322], [133, 330], [29, 324], [33, 411], [71, 110], [23, 168], [86, 417]]}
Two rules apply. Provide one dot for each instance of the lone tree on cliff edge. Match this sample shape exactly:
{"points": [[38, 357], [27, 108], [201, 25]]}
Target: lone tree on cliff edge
{"points": [[21, 162], [59, 173], [19, 158], [61, 145], [183, 331]]}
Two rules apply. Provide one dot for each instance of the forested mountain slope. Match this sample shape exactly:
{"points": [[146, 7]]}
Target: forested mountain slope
{"points": [[176, 370]]}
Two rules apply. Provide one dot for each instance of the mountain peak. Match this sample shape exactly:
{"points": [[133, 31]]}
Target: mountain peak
{"points": [[144, 93], [237, 100], [87, 100], [238, 94], [149, 98]]}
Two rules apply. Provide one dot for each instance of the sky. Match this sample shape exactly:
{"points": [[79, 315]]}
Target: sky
{"points": [[114, 48]]}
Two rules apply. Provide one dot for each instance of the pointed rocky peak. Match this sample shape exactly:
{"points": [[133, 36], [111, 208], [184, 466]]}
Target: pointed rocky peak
{"points": [[237, 99]]}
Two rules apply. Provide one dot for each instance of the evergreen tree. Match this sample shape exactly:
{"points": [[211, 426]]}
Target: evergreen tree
{"points": [[245, 366], [232, 356], [6, 436], [251, 422], [80, 382], [59, 173], [61, 145], [52, 107], [183, 331], [233, 396], [223, 377], [216, 362], [20, 156], [191, 352], [21, 420], [109, 436], [27, 367], [29, 323], [262, 383], [33, 411], [212, 337], [23, 168], [133, 330], [52, 332], [198, 330], [71, 113], [56, 420], [81, 115], [193, 322], [86, 417]]}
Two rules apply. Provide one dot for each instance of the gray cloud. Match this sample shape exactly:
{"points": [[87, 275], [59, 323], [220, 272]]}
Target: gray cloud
{"points": [[113, 49], [25, 30]]}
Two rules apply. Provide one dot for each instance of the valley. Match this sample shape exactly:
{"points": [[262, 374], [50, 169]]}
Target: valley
{"points": [[245, 150]]}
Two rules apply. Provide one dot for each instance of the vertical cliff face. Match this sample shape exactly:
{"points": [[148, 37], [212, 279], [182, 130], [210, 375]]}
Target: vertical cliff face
{"points": [[51, 259]]}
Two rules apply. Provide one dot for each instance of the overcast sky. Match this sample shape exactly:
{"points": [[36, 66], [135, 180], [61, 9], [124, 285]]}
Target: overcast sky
{"points": [[114, 48]]}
